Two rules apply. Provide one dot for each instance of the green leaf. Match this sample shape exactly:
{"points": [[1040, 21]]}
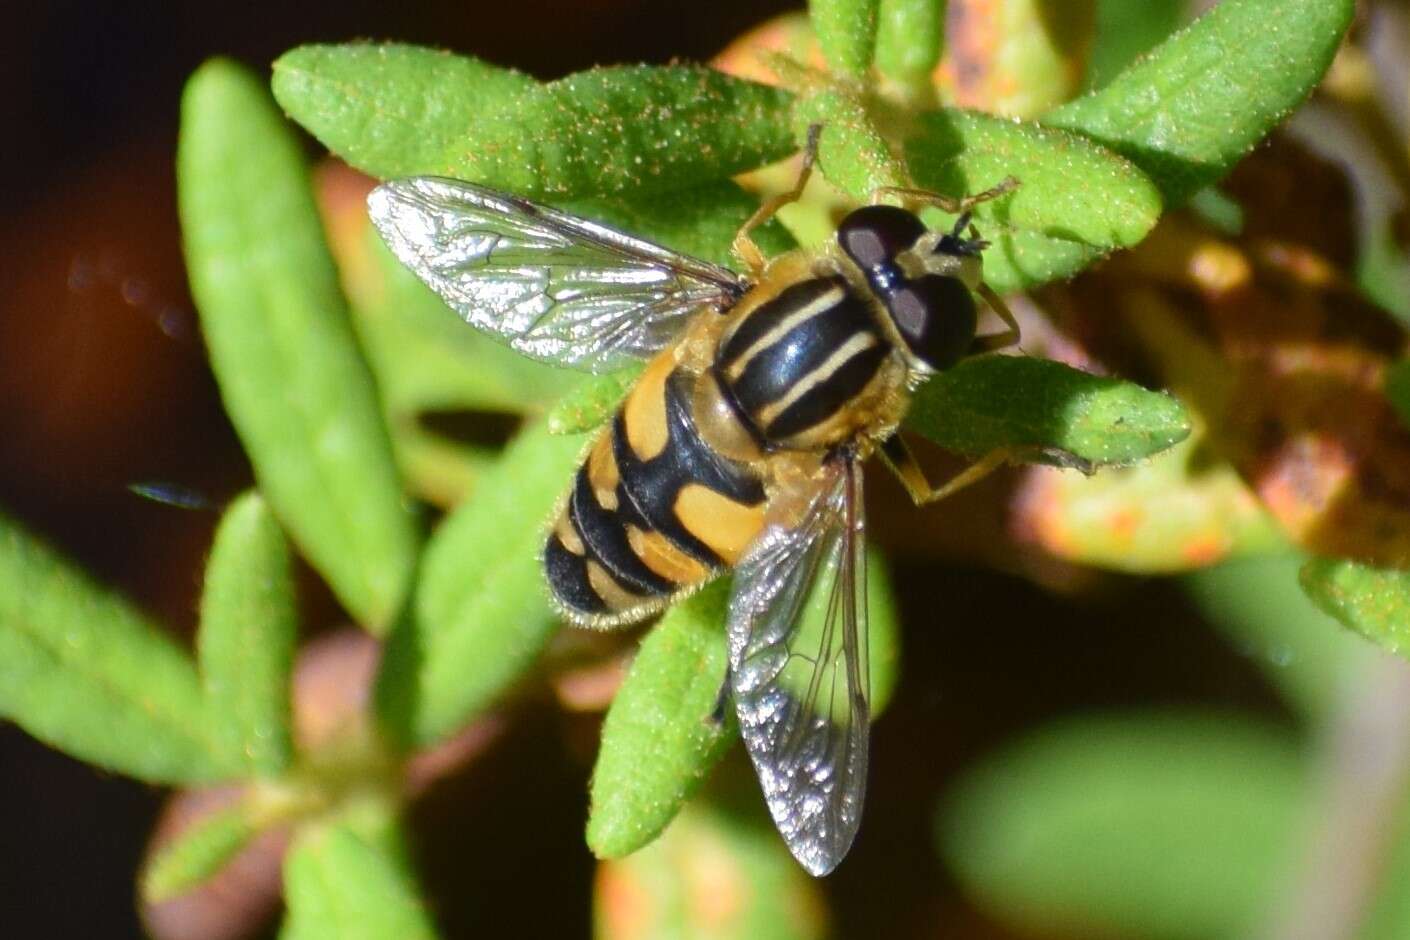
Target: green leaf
{"points": [[197, 854], [84, 672], [607, 131], [660, 740], [1163, 826], [1127, 29], [853, 154], [1075, 201], [908, 39], [846, 31], [481, 612], [245, 647], [384, 107], [712, 876], [592, 402], [1375, 602], [1071, 417], [1255, 604], [603, 131], [339, 884], [1188, 111], [293, 380]]}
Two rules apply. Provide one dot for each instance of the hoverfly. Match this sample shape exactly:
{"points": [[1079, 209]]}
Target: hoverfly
{"points": [[740, 446]]}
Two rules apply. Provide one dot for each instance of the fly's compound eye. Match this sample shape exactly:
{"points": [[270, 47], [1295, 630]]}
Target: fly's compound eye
{"points": [[936, 317], [873, 236]]}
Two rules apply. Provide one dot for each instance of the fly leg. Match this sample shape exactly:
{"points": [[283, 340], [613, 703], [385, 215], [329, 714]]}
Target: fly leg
{"points": [[744, 247], [961, 207], [902, 462], [992, 341]]}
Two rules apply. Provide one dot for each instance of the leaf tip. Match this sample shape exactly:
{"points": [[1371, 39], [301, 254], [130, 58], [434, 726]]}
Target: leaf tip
{"points": [[215, 78]]}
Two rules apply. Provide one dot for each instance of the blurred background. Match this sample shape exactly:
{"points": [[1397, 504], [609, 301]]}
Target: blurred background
{"points": [[1044, 705]]}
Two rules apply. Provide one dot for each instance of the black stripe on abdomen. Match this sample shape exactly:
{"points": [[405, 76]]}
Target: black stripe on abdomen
{"points": [[605, 540], [648, 489], [568, 579]]}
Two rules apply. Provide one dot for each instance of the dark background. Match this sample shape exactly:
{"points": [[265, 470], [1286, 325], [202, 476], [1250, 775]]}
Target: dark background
{"points": [[103, 384]]}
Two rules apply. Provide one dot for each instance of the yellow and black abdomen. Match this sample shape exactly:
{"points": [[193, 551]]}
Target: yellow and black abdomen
{"points": [[653, 511], [796, 366]]}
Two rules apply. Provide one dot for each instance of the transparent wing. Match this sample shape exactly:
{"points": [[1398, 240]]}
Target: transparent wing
{"points": [[798, 670], [553, 286]]}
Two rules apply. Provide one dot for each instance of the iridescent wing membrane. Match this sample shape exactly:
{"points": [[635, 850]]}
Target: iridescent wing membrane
{"points": [[798, 670], [553, 286]]}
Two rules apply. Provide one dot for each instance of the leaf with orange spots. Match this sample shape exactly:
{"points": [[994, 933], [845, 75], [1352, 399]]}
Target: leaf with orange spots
{"points": [[1174, 513], [751, 55]]}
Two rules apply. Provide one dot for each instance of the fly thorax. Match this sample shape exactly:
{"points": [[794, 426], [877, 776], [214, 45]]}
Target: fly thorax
{"points": [[794, 366]]}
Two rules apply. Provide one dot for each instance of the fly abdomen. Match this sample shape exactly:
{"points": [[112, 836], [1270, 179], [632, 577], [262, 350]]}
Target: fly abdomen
{"points": [[652, 512], [794, 364]]}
